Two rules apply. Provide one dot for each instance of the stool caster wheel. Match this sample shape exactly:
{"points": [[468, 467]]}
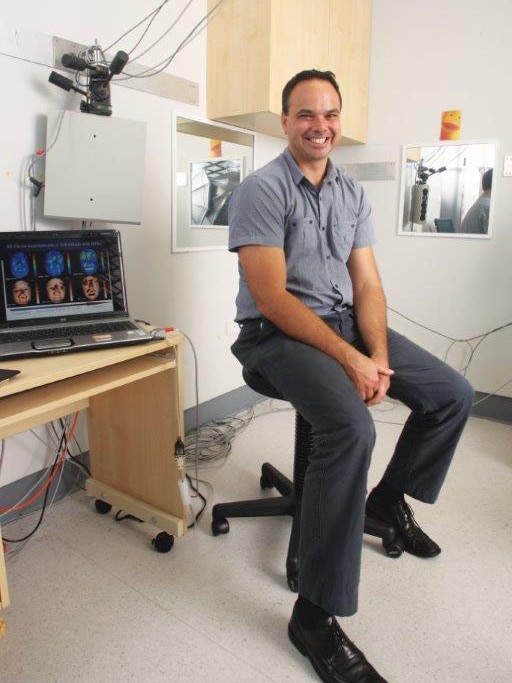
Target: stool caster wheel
{"points": [[293, 583], [102, 507], [163, 542], [220, 526], [265, 482], [393, 548]]}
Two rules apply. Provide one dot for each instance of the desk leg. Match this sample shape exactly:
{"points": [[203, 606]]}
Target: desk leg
{"points": [[132, 432], [4, 592]]}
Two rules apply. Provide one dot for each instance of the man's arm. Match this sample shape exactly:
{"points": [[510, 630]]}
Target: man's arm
{"points": [[370, 308], [265, 271]]}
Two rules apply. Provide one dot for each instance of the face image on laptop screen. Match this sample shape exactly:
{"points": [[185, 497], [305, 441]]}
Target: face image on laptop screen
{"points": [[65, 275]]}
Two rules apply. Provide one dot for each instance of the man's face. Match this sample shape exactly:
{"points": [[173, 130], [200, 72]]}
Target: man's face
{"points": [[21, 293], [55, 290], [313, 121], [91, 287]]}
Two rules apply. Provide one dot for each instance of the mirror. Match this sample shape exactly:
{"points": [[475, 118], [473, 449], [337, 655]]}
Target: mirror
{"points": [[446, 189], [209, 162]]}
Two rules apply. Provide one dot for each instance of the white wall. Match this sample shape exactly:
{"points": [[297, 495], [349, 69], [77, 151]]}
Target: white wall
{"points": [[425, 58], [192, 291]]}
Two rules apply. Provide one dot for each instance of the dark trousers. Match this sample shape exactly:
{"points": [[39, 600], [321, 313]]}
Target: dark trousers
{"points": [[334, 492]]}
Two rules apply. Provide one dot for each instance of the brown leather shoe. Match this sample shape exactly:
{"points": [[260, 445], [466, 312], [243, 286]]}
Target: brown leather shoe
{"points": [[334, 657]]}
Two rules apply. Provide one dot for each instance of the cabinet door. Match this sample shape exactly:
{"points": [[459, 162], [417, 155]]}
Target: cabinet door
{"points": [[238, 58], [298, 41], [349, 57], [256, 46]]}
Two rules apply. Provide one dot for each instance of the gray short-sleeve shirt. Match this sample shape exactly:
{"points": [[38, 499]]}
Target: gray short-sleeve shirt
{"points": [[277, 206]]}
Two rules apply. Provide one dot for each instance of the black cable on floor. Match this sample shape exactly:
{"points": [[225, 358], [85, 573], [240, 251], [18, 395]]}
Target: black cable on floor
{"points": [[196, 490]]}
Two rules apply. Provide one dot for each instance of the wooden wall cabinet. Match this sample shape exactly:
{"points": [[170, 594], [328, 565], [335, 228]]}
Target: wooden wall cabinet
{"points": [[256, 46]]}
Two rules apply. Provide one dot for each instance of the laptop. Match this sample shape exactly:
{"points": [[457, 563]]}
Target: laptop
{"points": [[63, 291]]}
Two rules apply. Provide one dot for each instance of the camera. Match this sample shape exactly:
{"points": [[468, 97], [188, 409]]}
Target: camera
{"points": [[98, 76]]}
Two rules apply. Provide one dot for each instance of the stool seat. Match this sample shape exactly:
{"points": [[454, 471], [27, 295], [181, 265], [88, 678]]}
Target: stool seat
{"points": [[289, 503]]}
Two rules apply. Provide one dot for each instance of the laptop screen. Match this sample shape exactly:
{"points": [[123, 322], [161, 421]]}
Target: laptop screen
{"points": [[60, 275]]}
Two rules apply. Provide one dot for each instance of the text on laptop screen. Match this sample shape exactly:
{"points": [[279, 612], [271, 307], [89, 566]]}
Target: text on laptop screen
{"points": [[69, 275]]}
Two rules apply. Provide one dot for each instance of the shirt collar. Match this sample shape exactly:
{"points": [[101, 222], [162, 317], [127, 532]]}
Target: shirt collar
{"points": [[298, 175]]}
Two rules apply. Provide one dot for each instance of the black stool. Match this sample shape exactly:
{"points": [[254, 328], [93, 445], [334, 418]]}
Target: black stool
{"points": [[291, 492]]}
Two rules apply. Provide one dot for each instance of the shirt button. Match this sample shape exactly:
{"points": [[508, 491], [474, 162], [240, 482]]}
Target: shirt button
{"points": [[328, 256], [323, 228]]}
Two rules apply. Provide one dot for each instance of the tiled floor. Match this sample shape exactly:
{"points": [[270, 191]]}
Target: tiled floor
{"points": [[92, 602]]}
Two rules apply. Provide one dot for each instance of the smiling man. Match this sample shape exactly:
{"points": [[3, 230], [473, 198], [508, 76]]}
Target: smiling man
{"points": [[313, 323]]}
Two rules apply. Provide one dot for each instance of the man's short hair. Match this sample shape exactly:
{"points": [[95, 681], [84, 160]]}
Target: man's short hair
{"points": [[487, 180], [307, 75]]}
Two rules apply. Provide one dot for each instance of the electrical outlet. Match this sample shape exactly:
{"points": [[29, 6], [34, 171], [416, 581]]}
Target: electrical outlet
{"points": [[507, 166]]}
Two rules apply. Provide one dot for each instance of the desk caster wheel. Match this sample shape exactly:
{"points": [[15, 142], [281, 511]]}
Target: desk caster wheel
{"points": [[393, 548], [163, 542], [102, 507], [220, 526]]}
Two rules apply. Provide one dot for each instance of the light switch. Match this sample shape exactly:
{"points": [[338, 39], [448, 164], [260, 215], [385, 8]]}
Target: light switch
{"points": [[507, 166]]}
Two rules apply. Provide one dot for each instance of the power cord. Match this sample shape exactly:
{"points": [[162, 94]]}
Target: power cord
{"points": [[161, 66], [468, 340], [203, 499], [153, 14], [55, 467], [35, 184], [49, 474]]}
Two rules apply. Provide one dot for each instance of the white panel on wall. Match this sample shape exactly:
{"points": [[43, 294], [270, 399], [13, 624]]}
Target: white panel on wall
{"points": [[95, 169]]}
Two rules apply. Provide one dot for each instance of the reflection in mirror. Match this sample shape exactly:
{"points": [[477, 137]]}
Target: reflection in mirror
{"points": [[209, 162], [446, 189]]}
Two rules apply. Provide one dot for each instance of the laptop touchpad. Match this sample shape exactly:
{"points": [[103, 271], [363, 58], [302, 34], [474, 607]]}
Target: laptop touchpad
{"points": [[47, 344]]}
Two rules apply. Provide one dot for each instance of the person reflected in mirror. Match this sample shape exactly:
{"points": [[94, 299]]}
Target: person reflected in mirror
{"points": [[91, 287], [56, 290], [21, 293], [476, 220], [312, 312]]}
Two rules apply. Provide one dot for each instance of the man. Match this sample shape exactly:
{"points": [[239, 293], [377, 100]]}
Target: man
{"points": [[91, 287], [56, 290], [476, 220], [313, 323]]}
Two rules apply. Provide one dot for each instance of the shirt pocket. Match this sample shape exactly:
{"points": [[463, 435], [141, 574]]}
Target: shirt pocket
{"points": [[303, 234]]}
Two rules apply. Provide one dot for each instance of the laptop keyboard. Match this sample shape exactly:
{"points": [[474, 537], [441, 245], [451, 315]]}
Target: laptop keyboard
{"points": [[55, 332]]}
